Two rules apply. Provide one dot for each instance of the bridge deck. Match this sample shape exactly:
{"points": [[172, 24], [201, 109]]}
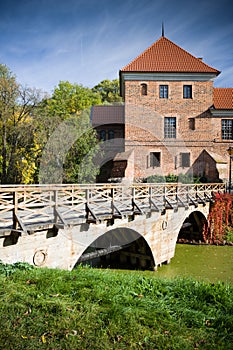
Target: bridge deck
{"points": [[25, 208]]}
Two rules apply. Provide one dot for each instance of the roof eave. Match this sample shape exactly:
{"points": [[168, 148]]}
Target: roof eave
{"points": [[221, 112]]}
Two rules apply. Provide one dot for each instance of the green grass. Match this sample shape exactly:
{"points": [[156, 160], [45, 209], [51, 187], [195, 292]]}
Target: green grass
{"points": [[104, 309]]}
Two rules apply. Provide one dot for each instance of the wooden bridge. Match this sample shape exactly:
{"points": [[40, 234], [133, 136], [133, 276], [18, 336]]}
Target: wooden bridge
{"points": [[54, 225]]}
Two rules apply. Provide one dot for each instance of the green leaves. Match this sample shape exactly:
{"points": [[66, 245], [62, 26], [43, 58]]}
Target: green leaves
{"points": [[71, 143], [70, 99], [109, 91]]}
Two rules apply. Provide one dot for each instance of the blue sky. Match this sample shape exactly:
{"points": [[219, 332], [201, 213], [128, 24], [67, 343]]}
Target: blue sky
{"points": [[86, 41]]}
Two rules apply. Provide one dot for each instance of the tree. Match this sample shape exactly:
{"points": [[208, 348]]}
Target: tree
{"points": [[68, 154], [109, 90], [68, 99], [16, 126]]}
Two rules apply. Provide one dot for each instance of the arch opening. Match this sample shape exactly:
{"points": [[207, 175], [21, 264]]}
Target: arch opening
{"points": [[192, 229], [120, 248]]}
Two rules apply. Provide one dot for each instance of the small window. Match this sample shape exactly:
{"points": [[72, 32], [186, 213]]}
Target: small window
{"points": [[110, 134], [102, 135], [227, 129], [187, 91], [163, 91], [185, 160], [155, 159], [192, 123], [170, 127], [143, 89]]}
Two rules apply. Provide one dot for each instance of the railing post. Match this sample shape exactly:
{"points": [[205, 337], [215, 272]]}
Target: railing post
{"points": [[150, 197], [164, 195], [87, 204], [15, 210], [55, 199], [112, 202], [133, 199]]}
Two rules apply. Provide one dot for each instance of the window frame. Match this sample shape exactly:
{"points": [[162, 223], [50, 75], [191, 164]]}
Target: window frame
{"points": [[170, 127], [155, 159], [102, 135], [144, 89], [227, 130], [192, 123], [111, 134], [187, 91], [185, 159], [163, 91]]}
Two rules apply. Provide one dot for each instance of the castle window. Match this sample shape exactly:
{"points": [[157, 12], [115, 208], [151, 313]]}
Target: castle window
{"points": [[155, 159], [192, 123], [227, 129], [110, 134], [170, 127], [163, 91], [143, 89], [102, 135], [187, 91], [185, 160]]}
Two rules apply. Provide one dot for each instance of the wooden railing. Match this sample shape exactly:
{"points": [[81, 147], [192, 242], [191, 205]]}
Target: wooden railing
{"points": [[24, 208]]}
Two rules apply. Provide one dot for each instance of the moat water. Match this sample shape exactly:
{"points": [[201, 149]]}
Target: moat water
{"points": [[201, 262]]}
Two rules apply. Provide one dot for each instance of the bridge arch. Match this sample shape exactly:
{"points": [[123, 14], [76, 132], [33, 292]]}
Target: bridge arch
{"points": [[120, 247], [192, 227]]}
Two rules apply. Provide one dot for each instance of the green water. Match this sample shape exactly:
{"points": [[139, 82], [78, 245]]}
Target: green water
{"points": [[207, 263]]}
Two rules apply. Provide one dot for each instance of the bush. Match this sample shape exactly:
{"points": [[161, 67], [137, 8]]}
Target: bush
{"points": [[183, 178]]}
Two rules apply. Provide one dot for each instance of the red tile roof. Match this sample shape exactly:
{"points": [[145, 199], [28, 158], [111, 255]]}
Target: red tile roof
{"points": [[165, 56], [223, 98], [107, 115]]}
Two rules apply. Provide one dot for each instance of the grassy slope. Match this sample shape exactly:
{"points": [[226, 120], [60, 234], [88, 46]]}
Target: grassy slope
{"points": [[104, 309]]}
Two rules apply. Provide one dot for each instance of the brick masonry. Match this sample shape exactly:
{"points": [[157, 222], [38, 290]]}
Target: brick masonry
{"points": [[197, 129]]}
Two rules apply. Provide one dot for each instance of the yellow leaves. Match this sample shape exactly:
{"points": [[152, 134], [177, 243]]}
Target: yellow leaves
{"points": [[28, 171], [43, 339]]}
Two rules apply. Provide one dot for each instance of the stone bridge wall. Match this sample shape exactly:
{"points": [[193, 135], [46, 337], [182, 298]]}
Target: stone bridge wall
{"points": [[63, 248]]}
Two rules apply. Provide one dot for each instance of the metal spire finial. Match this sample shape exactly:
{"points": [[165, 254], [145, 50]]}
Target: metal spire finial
{"points": [[162, 29]]}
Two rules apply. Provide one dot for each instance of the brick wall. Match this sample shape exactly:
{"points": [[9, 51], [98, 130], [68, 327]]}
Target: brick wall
{"points": [[196, 128]]}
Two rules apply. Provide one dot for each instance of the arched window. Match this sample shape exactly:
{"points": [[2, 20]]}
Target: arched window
{"points": [[143, 89], [102, 135], [111, 134]]}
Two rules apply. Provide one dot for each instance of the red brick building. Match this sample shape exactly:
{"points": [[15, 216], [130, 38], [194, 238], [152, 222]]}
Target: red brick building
{"points": [[175, 121]]}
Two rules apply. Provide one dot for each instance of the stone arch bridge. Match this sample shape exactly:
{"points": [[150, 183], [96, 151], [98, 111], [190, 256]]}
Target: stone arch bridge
{"points": [[59, 226]]}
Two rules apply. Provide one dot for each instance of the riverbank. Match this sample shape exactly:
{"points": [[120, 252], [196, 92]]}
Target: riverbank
{"points": [[105, 309]]}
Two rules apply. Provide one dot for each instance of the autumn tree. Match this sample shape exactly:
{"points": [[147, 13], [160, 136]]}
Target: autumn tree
{"points": [[16, 126]]}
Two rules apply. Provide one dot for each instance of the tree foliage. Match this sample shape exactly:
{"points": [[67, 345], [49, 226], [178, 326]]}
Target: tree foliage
{"points": [[109, 91], [71, 143], [49, 139], [16, 127]]}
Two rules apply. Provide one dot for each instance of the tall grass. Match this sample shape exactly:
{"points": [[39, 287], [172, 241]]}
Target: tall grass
{"points": [[104, 309]]}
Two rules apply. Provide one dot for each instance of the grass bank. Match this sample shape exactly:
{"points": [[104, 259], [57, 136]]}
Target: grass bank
{"points": [[104, 309]]}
